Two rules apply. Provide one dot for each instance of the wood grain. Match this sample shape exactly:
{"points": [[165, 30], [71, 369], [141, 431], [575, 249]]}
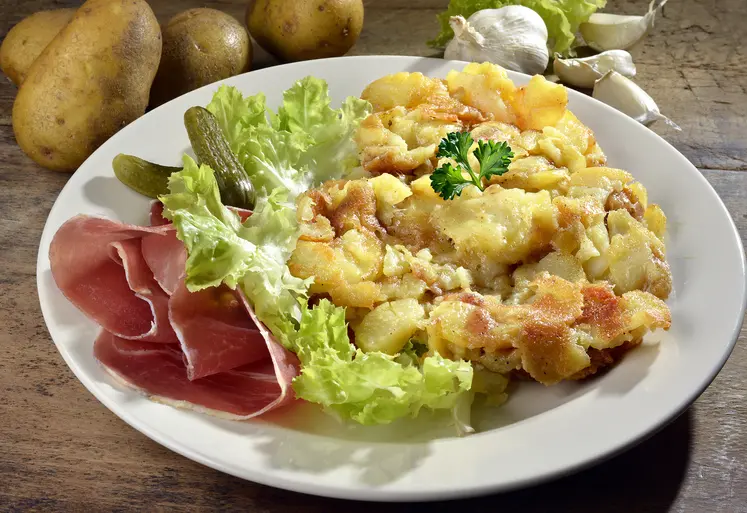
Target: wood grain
{"points": [[60, 450]]}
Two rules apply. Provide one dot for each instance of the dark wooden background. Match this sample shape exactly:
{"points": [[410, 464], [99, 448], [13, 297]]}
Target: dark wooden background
{"points": [[60, 450]]}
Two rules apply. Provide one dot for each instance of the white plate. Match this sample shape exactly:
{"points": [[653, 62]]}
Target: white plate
{"points": [[540, 433]]}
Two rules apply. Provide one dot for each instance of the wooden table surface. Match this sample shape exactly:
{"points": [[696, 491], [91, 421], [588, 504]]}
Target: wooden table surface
{"points": [[61, 450]]}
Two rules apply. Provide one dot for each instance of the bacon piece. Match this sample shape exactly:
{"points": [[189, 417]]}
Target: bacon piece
{"points": [[98, 266]]}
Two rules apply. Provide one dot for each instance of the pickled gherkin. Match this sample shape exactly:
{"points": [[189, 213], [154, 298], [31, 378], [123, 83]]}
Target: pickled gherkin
{"points": [[145, 177], [212, 149]]}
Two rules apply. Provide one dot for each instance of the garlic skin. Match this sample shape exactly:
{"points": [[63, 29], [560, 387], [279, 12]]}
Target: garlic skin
{"points": [[586, 71], [618, 32], [626, 96], [514, 37]]}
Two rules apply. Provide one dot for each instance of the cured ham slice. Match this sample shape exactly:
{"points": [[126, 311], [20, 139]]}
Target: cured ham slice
{"points": [[164, 253], [128, 254], [166, 258], [140, 279], [158, 371], [286, 363], [215, 331], [98, 266], [204, 351], [156, 214]]}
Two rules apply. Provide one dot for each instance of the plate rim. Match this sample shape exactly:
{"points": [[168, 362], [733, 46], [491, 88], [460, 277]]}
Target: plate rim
{"points": [[372, 493]]}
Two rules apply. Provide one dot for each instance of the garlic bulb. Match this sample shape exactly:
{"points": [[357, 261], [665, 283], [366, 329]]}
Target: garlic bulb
{"points": [[618, 32], [584, 72], [626, 96], [514, 37]]}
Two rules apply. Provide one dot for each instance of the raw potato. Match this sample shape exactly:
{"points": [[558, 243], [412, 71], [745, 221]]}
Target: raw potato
{"points": [[200, 46], [93, 79], [26, 41], [296, 30]]}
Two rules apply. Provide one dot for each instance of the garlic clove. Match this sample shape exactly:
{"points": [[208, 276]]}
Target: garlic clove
{"points": [[514, 37], [626, 96], [585, 71], [605, 31]]}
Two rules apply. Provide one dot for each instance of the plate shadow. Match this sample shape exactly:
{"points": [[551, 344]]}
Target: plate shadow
{"points": [[647, 478]]}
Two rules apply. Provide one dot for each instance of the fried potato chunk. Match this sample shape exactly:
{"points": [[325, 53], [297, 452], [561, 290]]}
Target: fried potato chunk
{"points": [[412, 113], [485, 87], [636, 257], [502, 225], [400, 141], [389, 326], [539, 104], [552, 272], [551, 334]]}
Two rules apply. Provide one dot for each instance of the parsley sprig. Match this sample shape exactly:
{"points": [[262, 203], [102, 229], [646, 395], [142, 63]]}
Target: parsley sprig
{"points": [[449, 181]]}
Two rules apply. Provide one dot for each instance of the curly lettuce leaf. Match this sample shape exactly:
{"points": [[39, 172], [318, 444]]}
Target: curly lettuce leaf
{"points": [[305, 108], [305, 143], [223, 250], [236, 114], [277, 295], [306, 111], [272, 160], [209, 230], [369, 388], [284, 154], [562, 17], [335, 152]]}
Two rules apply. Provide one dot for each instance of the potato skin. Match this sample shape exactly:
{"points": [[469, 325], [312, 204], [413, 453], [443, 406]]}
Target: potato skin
{"points": [[28, 39], [296, 30], [91, 80], [200, 46]]}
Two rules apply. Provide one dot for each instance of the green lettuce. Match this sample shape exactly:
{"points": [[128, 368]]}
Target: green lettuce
{"points": [[369, 388], [285, 153], [305, 143], [562, 17], [236, 114], [209, 230], [271, 157], [223, 250], [306, 110]]}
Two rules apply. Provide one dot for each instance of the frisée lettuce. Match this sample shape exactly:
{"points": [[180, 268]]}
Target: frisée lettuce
{"points": [[305, 143], [370, 388], [221, 249]]}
